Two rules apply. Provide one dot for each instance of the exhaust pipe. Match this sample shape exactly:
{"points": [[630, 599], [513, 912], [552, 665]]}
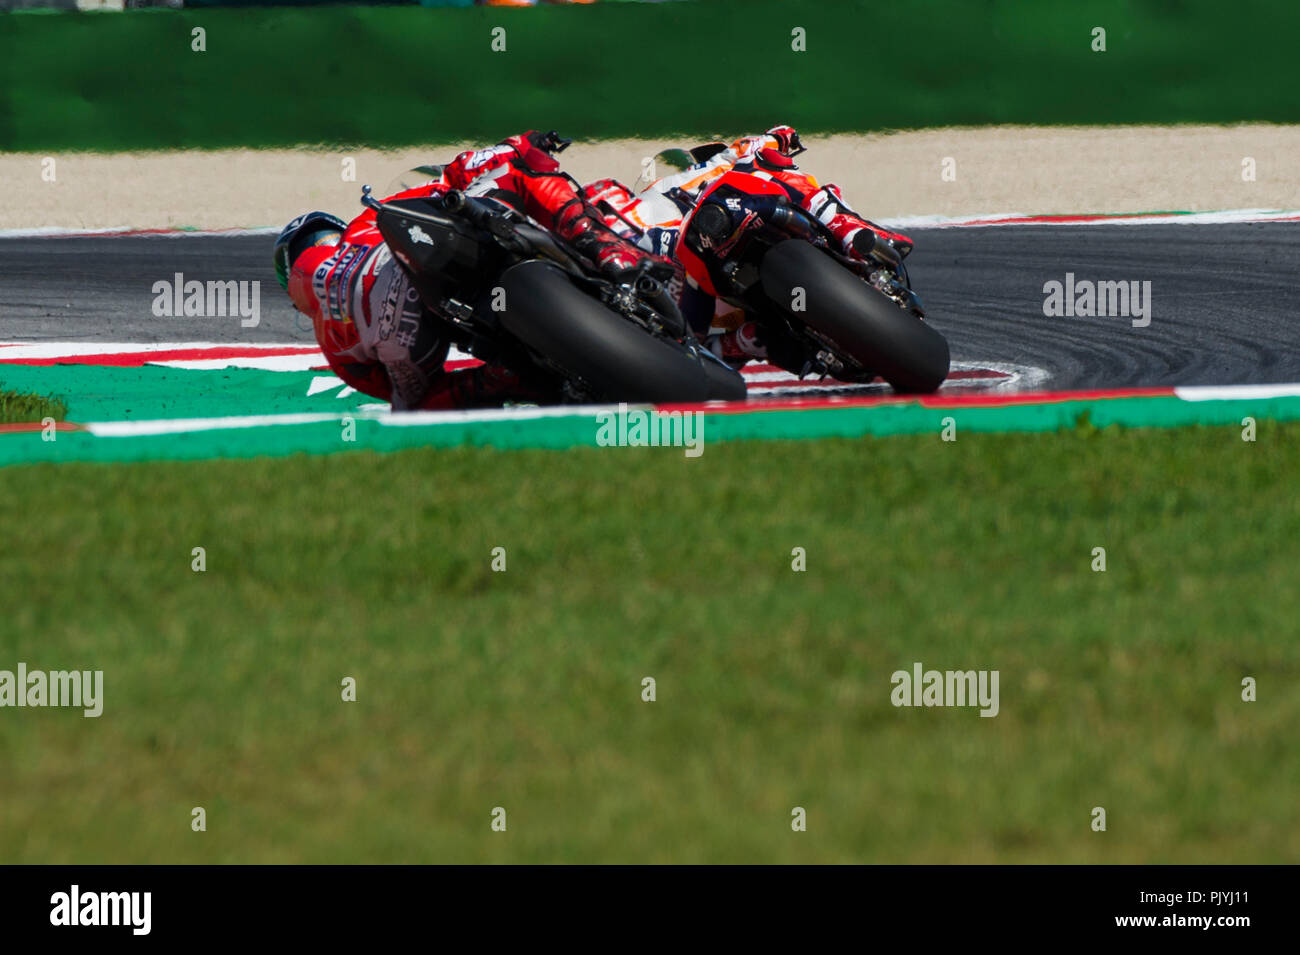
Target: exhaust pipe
{"points": [[869, 243]]}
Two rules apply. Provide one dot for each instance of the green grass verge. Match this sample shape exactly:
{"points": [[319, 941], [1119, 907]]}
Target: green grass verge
{"points": [[18, 407], [403, 75], [522, 689]]}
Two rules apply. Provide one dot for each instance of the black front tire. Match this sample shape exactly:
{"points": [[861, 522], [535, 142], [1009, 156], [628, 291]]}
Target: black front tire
{"points": [[616, 359], [870, 328]]}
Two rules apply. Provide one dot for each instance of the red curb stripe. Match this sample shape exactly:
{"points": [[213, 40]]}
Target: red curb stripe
{"points": [[1066, 219], [137, 358], [140, 358], [1041, 397], [28, 426], [127, 233], [928, 401], [965, 374]]}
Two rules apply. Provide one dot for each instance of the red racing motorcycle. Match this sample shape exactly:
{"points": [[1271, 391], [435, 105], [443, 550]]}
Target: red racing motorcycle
{"points": [[820, 311]]}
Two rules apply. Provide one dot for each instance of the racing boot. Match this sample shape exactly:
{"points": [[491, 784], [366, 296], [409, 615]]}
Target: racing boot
{"points": [[617, 258], [750, 342], [859, 238], [739, 345]]}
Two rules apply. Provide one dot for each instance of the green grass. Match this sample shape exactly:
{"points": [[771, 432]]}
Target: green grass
{"points": [[522, 689], [18, 407], [699, 69]]}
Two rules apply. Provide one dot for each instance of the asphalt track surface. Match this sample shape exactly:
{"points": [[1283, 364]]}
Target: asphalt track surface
{"points": [[1225, 298]]}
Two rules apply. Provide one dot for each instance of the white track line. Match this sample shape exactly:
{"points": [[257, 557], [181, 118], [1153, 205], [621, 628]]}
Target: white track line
{"points": [[305, 362], [1002, 219], [135, 429], [1236, 392], [73, 349], [55, 232], [130, 429]]}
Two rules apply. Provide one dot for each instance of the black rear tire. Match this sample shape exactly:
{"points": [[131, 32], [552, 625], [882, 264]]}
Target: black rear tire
{"points": [[615, 358], [870, 328]]}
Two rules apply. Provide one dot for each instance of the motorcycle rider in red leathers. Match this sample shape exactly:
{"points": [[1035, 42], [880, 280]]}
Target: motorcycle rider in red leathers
{"points": [[377, 334], [654, 217]]}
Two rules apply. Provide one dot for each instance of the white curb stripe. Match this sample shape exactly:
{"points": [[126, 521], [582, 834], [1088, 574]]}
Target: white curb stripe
{"points": [[1035, 219], [1236, 392]]}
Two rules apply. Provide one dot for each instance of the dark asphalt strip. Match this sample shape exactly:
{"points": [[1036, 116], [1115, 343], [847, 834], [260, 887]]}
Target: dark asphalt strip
{"points": [[1225, 299]]}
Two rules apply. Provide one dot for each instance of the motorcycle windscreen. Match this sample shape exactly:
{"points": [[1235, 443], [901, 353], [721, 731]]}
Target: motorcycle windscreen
{"points": [[413, 178]]}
